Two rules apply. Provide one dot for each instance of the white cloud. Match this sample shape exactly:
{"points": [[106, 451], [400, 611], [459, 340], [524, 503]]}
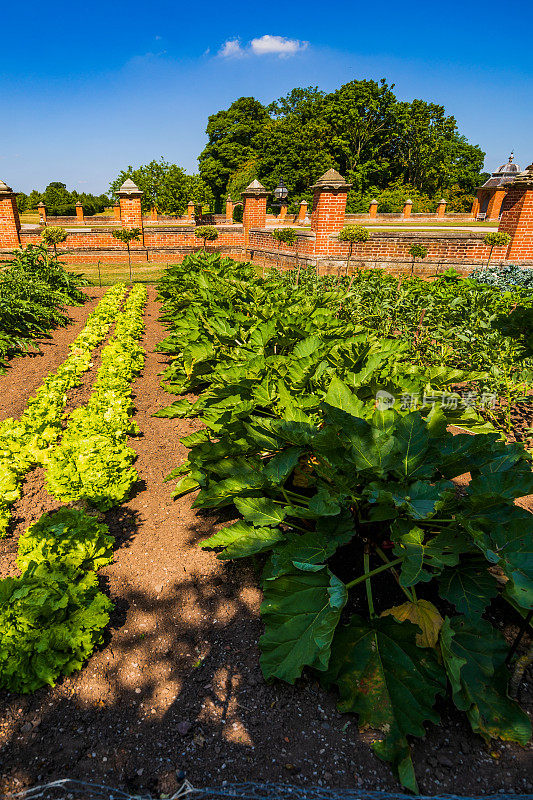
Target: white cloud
{"points": [[231, 49], [261, 46], [279, 45]]}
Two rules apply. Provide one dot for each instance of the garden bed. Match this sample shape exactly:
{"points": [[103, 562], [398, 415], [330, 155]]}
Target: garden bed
{"points": [[176, 691]]}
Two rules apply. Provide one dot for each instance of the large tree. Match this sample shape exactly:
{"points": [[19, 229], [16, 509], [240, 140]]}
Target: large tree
{"points": [[232, 134]]}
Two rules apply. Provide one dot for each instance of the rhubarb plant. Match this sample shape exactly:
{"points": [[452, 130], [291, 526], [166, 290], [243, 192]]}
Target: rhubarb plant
{"points": [[378, 564]]}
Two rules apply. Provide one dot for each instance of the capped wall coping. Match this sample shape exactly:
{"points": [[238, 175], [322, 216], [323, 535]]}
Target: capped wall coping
{"points": [[301, 233], [407, 234]]}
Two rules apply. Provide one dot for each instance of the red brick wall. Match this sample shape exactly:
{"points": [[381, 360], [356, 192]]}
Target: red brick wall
{"points": [[517, 220], [386, 247]]}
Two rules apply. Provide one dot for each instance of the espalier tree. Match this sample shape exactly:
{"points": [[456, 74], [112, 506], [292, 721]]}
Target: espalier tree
{"points": [[353, 234], [127, 235], [52, 236], [206, 232], [290, 237], [495, 239], [417, 251]]}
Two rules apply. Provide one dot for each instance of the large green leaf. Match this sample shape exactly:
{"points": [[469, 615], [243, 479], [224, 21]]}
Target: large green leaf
{"points": [[388, 680], [241, 540], [306, 551], [469, 586], [260, 510], [279, 467], [510, 545], [419, 499], [301, 611], [339, 396], [474, 656], [419, 551], [412, 440]]}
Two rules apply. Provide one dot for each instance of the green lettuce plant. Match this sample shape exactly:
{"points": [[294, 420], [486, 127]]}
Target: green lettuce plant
{"points": [[50, 624], [69, 539]]}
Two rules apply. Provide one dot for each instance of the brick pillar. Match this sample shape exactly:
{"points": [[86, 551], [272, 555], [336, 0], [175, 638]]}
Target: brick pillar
{"points": [[116, 211], [79, 212], [153, 214], [254, 208], [302, 212], [373, 208], [441, 208], [495, 203], [517, 217], [407, 208], [229, 211], [475, 207], [283, 212], [330, 193], [9, 217], [190, 211], [129, 196], [41, 208]]}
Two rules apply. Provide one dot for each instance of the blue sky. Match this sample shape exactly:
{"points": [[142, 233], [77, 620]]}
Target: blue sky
{"points": [[88, 88]]}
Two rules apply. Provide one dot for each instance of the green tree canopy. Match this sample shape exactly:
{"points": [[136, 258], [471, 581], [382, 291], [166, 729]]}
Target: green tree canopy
{"points": [[60, 202], [165, 186], [361, 129], [232, 134]]}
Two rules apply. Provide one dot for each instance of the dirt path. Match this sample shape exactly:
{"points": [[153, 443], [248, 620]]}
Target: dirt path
{"points": [[24, 374], [177, 690]]}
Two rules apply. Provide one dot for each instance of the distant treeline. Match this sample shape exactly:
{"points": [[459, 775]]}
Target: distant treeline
{"points": [[60, 202]]}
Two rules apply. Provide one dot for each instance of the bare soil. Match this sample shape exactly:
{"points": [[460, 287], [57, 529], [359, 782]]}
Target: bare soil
{"points": [[176, 691]]}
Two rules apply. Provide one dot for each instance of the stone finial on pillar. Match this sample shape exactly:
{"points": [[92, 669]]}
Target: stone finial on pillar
{"points": [[254, 208], [302, 212], [41, 209], [517, 216], [330, 193], [129, 196], [79, 212], [229, 210], [407, 208], [190, 211], [9, 217], [373, 208], [116, 211], [441, 208]]}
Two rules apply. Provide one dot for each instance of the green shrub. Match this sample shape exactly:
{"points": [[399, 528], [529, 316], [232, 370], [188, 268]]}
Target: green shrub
{"points": [[49, 625]]}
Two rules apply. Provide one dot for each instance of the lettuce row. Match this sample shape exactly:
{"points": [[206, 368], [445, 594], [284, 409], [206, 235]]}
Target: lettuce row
{"points": [[93, 462], [24, 442]]}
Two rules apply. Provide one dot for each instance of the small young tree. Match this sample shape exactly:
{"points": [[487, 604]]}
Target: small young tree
{"points": [[127, 235], [290, 237], [206, 232], [353, 234], [53, 236], [417, 251], [495, 239]]}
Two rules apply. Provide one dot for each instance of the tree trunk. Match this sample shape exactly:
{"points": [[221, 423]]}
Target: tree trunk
{"points": [[129, 259]]}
